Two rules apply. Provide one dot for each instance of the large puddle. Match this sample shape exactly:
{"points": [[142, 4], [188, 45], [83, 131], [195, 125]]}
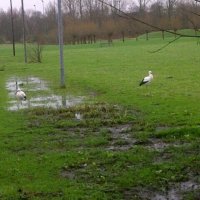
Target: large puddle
{"points": [[38, 95]]}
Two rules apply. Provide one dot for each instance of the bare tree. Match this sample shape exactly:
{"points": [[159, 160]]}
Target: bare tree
{"points": [[70, 7], [143, 5], [35, 53], [170, 4], [80, 4], [84, 18]]}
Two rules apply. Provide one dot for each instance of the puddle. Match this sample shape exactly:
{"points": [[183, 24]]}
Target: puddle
{"points": [[30, 84], [38, 95], [157, 144], [52, 101]]}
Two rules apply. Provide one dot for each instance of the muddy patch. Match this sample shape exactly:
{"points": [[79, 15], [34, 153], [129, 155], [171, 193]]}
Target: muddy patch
{"points": [[120, 137], [25, 194], [125, 141], [157, 144], [162, 128], [68, 174], [175, 192], [38, 95], [74, 172]]}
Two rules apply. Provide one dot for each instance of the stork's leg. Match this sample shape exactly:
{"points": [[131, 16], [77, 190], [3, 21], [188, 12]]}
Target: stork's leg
{"points": [[18, 104], [148, 91]]}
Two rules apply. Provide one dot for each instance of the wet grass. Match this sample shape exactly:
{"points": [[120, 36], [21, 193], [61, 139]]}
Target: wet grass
{"points": [[131, 146], [101, 156]]}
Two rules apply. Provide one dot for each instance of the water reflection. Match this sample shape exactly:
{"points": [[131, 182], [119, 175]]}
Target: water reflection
{"points": [[32, 86]]}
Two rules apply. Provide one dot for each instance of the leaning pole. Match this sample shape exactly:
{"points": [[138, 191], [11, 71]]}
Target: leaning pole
{"points": [[24, 32], [60, 38], [12, 27]]}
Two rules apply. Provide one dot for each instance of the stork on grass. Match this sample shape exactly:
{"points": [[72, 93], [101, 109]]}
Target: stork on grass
{"points": [[20, 95], [147, 80]]}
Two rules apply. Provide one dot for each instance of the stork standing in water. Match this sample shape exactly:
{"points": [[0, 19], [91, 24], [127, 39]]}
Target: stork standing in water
{"points": [[20, 95], [147, 80]]}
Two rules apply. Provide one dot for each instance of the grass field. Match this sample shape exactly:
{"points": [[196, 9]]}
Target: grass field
{"points": [[132, 143]]}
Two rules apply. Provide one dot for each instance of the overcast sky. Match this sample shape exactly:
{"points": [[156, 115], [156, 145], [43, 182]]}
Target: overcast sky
{"points": [[28, 4]]}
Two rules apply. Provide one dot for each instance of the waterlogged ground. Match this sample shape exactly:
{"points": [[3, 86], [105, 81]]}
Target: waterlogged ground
{"points": [[108, 152], [38, 95]]}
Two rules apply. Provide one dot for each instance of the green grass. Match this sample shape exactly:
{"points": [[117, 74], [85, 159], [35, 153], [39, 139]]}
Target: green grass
{"points": [[128, 145]]}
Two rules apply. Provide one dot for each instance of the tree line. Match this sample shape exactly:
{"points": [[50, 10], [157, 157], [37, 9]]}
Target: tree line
{"points": [[86, 21]]}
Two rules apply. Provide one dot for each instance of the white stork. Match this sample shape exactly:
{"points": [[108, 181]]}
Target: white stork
{"points": [[20, 95], [146, 80]]}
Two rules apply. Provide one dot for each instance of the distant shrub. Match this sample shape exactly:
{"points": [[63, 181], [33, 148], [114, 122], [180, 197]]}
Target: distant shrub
{"points": [[35, 53]]}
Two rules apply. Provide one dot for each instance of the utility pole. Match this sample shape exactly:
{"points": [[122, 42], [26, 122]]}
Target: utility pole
{"points": [[24, 33], [12, 26], [60, 38]]}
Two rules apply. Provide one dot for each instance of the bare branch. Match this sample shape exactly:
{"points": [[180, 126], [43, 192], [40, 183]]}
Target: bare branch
{"points": [[194, 13], [165, 45], [127, 16]]}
